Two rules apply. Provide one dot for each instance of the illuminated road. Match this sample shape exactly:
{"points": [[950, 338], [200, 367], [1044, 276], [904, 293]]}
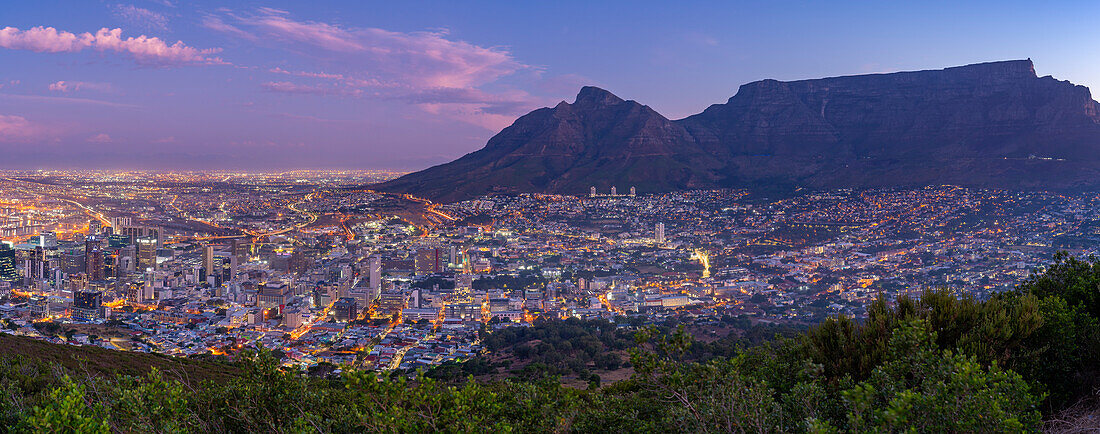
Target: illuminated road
{"points": [[293, 207]]}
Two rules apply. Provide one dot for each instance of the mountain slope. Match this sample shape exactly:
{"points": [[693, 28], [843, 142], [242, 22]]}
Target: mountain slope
{"points": [[984, 125], [597, 140]]}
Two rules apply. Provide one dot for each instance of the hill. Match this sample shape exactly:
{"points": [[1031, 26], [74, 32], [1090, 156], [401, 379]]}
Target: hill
{"points": [[97, 361], [988, 125]]}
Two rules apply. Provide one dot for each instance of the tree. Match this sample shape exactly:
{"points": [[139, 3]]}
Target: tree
{"points": [[927, 390]]}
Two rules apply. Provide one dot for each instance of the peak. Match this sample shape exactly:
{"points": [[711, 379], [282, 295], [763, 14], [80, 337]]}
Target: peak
{"points": [[591, 95]]}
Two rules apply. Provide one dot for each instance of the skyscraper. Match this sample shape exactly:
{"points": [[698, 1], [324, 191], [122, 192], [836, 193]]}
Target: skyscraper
{"points": [[659, 233], [374, 267], [147, 253], [93, 258], [47, 239], [7, 264]]}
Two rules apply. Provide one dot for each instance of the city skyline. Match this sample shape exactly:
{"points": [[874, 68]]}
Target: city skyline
{"points": [[341, 85]]}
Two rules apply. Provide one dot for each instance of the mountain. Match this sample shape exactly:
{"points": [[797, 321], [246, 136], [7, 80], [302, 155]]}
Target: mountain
{"points": [[599, 139], [989, 125]]}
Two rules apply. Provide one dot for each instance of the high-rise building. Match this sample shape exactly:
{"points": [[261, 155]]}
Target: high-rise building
{"points": [[428, 261], [8, 272], [374, 273], [241, 249], [94, 227], [47, 239], [592, 191], [119, 222], [614, 192], [633, 191], [146, 253], [93, 258], [134, 232], [659, 232]]}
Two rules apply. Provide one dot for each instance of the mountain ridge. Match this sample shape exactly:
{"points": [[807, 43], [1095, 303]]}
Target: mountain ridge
{"points": [[988, 125]]}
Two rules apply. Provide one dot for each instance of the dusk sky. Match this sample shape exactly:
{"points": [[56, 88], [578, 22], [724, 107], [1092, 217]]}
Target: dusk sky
{"points": [[168, 84]]}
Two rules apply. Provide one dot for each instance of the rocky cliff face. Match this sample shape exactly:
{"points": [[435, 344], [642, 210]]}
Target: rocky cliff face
{"points": [[984, 125]]}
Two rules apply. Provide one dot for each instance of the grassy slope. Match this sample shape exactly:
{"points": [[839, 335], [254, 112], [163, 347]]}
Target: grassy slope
{"points": [[100, 361]]}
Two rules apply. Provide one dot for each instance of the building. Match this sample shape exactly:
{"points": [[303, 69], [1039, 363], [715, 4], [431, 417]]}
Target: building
{"points": [[415, 315], [87, 304], [428, 261], [272, 294], [218, 265], [146, 253], [47, 239], [659, 233], [346, 309], [8, 273], [93, 258], [374, 273], [391, 302], [463, 311], [134, 232]]}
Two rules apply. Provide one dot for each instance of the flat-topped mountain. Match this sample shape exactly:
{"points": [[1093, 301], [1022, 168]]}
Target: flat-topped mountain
{"points": [[985, 125]]}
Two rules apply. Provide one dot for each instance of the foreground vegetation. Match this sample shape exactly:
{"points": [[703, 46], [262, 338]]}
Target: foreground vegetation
{"points": [[937, 363]]}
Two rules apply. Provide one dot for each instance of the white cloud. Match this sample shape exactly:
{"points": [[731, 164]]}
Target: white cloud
{"points": [[73, 86], [143, 49]]}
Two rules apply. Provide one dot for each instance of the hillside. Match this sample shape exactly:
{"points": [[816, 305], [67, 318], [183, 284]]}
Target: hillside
{"points": [[104, 362]]}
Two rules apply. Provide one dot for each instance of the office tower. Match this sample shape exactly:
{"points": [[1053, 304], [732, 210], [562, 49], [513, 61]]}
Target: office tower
{"points": [[47, 239], [427, 261], [72, 262], [146, 253], [592, 191], [633, 191], [93, 258], [242, 248], [8, 272], [94, 227], [374, 273], [208, 260], [613, 191], [659, 233]]}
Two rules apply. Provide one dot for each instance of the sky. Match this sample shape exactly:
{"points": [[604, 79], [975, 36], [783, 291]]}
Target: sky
{"points": [[272, 85]]}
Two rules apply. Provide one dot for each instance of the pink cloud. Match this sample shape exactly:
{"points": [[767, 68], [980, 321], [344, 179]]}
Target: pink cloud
{"points": [[73, 86], [18, 129], [323, 75], [143, 49], [100, 138], [288, 87]]}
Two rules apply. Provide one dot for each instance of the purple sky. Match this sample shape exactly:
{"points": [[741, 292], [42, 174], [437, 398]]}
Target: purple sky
{"points": [[352, 84]]}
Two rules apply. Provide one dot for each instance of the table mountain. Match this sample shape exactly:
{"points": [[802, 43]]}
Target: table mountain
{"points": [[995, 125]]}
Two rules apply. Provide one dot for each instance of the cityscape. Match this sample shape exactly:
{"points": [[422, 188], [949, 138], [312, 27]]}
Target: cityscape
{"points": [[491, 216], [326, 271]]}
